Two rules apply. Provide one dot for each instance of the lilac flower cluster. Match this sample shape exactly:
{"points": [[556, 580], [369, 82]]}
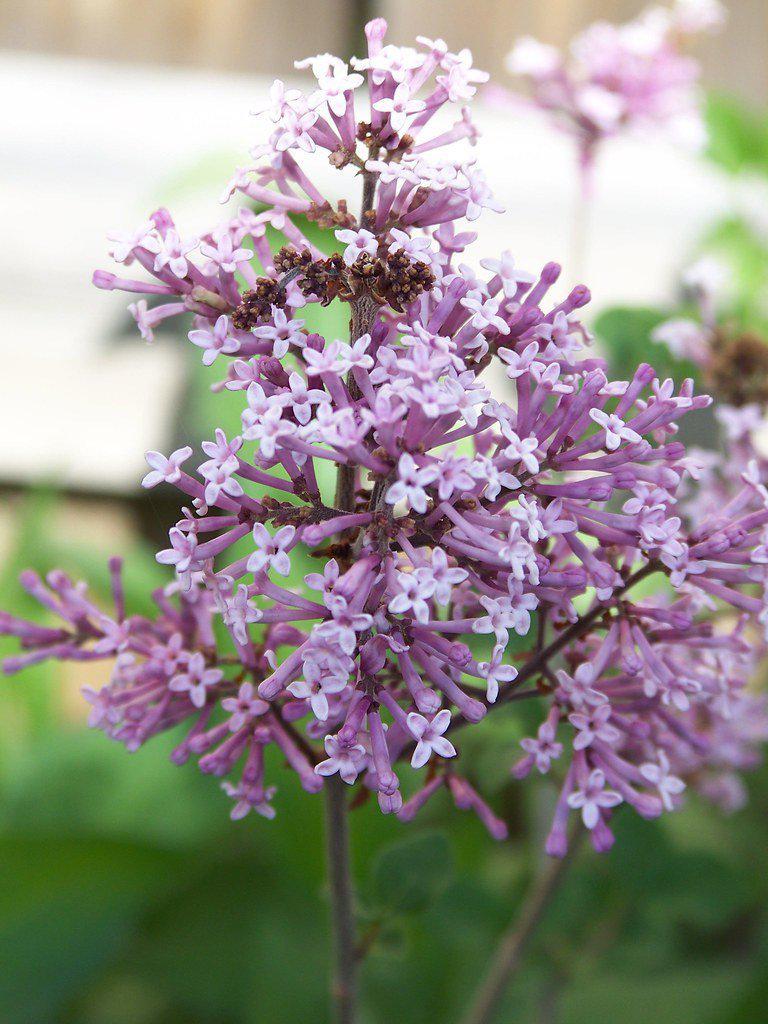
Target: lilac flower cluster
{"points": [[621, 77], [457, 523]]}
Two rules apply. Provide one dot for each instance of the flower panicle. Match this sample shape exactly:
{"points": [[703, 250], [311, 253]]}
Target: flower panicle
{"points": [[616, 78], [475, 551]]}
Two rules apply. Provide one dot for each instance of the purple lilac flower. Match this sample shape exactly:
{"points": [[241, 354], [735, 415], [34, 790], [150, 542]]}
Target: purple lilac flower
{"points": [[617, 78], [457, 520]]}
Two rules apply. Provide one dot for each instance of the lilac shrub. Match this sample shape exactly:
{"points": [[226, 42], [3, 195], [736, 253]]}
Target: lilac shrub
{"points": [[458, 521]]}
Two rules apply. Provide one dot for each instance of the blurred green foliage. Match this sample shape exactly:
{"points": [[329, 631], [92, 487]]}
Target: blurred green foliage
{"points": [[738, 145], [624, 333], [737, 134]]}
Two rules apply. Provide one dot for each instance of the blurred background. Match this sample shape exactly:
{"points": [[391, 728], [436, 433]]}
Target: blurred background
{"points": [[126, 895]]}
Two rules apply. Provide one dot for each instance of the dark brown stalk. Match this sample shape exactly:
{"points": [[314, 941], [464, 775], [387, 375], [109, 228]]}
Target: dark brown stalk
{"points": [[514, 942], [539, 661], [343, 990], [364, 312]]}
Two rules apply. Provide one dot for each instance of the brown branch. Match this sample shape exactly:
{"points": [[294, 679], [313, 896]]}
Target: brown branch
{"points": [[516, 939], [364, 312], [343, 991], [573, 633], [368, 939], [369, 190]]}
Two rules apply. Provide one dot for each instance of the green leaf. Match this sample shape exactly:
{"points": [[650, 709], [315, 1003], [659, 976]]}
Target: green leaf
{"points": [[738, 135], [411, 874], [66, 907], [683, 996], [239, 945], [749, 1007], [625, 334]]}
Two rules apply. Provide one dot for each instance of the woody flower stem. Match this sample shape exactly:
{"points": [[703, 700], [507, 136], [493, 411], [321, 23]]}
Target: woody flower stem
{"points": [[363, 316], [343, 991], [516, 939], [337, 824]]}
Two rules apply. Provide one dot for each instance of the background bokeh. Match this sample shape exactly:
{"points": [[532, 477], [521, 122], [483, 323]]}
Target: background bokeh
{"points": [[126, 895]]}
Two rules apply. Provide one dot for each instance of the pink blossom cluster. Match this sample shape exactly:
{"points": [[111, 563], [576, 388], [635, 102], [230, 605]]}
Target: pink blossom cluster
{"points": [[457, 521], [622, 77]]}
